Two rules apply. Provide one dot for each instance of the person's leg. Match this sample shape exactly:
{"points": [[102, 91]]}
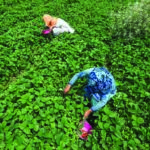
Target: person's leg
{"points": [[99, 104], [91, 118], [93, 101]]}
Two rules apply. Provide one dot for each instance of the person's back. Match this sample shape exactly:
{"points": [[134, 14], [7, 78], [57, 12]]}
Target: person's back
{"points": [[101, 81]]}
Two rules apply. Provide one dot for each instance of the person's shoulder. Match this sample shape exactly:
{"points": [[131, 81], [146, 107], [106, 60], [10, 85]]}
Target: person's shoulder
{"points": [[104, 69], [97, 69]]}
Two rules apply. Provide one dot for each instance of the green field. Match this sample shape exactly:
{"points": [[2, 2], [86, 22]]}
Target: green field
{"points": [[34, 69]]}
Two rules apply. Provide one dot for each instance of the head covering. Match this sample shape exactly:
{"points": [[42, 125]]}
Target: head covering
{"points": [[50, 21], [47, 18]]}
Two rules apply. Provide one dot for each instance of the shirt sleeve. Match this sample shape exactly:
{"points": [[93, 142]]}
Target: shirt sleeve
{"points": [[80, 75], [98, 106]]}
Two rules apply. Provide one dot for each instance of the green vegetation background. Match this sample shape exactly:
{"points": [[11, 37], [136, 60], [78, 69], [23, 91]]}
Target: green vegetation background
{"points": [[34, 69]]}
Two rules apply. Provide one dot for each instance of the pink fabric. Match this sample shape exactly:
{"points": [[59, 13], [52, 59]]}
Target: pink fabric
{"points": [[46, 31], [86, 128]]}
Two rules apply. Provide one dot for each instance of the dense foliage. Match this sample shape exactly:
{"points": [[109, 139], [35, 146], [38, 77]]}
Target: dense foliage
{"points": [[34, 69], [131, 21]]}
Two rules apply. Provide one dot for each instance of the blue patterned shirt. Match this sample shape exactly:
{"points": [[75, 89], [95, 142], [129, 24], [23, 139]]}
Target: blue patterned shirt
{"points": [[101, 85]]}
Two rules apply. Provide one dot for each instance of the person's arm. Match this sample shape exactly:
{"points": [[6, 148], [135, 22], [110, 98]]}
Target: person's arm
{"points": [[101, 103], [98, 106], [87, 113], [75, 77], [80, 75]]}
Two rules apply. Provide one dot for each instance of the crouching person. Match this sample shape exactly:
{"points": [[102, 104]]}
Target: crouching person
{"points": [[57, 25], [99, 90]]}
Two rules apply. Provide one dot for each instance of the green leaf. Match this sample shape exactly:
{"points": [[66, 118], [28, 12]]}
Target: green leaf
{"points": [[27, 130], [36, 107], [52, 119], [2, 144], [131, 142], [4, 124], [133, 117], [112, 114], [118, 134], [137, 141], [106, 110], [112, 128], [42, 114], [88, 144], [103, 134], [140, 120], [106, 126], [42, 132], [1, 136], [58, 138], [125, 144], [47, 146], [134, 123], [36, 127], [100, 124], [1, 114], [61, 107], [104, 118]]}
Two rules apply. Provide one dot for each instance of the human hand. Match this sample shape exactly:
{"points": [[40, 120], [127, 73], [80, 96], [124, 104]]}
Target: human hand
{"points": [[66, 90], [87, 113]]}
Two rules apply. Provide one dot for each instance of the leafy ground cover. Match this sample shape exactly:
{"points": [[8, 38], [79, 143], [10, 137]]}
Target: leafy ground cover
{"points": [[34, 114]]}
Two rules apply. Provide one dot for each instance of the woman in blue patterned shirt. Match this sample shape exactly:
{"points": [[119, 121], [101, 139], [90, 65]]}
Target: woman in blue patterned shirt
{"points": [[100, 89]]}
